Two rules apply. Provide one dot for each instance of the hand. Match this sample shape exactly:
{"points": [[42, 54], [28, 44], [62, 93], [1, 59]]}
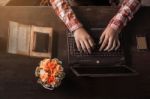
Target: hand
{"points": [[83, 40], [109, 40]]}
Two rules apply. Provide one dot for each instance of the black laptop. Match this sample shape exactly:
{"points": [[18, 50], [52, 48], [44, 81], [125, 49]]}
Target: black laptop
{"points": [[98, 63]]}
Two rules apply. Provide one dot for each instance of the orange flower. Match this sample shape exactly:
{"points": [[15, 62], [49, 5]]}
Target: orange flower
{"points": [[44, 77], [43, 64], [59, 68], [49, 69], [56, 70], [54, 61], [51, 65], [51, 79]]}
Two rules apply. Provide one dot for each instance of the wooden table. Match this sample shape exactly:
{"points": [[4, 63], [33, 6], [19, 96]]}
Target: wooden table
{"points": [[17, 80]]}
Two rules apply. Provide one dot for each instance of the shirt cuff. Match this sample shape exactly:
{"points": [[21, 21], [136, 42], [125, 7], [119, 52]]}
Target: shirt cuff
{"points": [[73, 25], [117, 24]]}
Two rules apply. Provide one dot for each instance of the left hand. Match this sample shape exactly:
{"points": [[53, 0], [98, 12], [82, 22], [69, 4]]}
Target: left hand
{"points": [[109, 39]]}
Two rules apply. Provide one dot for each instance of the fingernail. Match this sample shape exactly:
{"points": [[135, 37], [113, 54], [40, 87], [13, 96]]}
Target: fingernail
{"points": [[90, 52], [100, 49], [99, 42], [109, 50], [79, 50]]}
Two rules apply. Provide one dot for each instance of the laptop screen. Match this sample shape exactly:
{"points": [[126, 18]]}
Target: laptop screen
{"points": [[102, 70]]}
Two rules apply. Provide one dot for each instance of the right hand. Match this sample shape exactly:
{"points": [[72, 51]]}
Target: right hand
{"points": [[83, 40]]}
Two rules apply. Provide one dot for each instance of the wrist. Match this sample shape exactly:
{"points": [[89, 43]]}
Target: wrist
{"points": [[114, 30], [77, 30], [73, 25], [115, 25]]}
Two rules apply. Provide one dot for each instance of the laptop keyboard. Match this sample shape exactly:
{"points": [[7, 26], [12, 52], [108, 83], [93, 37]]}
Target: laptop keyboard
{"points": [[95, 52]]}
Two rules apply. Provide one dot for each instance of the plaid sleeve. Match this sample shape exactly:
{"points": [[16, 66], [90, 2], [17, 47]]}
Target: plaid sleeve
{"points": [[125, 13], [66, 14]]}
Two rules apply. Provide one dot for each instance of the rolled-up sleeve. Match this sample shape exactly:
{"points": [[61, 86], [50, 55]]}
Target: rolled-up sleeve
{"points": [[126, 11], [66, 14]]}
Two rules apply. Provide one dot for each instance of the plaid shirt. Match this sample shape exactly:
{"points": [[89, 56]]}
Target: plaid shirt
{"points": [[66, 14]]}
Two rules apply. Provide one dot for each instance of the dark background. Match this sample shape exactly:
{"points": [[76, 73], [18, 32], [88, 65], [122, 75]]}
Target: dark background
{"points": [[17, 80], [37, 2]]}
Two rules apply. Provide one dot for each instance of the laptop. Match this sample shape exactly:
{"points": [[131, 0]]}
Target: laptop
{"points": [[98, 63]]}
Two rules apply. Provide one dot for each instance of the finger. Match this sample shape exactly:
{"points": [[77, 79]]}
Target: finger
{"points": [[87, 45], [113, 46], [110, 43], [101, 38], [118, 45], [91, 42], [104, 43], [78, 45], [83, 46]]}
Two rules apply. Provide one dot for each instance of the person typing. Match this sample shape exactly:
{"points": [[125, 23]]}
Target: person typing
{"points": [[109, 39]]}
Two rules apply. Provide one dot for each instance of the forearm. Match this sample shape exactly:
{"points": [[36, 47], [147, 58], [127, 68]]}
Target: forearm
{"points": [[66, 14], [127, 9]]}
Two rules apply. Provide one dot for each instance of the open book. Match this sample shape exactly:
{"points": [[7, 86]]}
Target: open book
{"points": [[30, 40]]}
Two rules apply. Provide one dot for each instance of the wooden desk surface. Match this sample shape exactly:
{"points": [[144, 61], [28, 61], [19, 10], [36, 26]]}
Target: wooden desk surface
{"points": [[17, 80]]}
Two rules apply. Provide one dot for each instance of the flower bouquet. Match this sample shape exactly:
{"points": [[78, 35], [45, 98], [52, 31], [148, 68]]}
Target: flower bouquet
{"points": [[50, 73]]}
